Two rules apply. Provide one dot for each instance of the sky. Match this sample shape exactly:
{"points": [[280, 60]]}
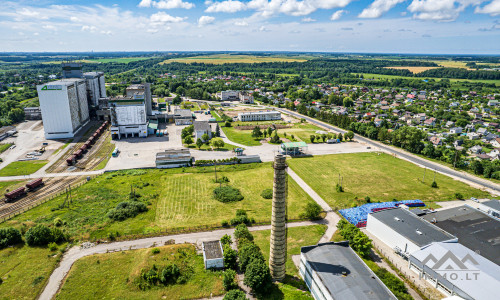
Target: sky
{"points": [[364, 26]]}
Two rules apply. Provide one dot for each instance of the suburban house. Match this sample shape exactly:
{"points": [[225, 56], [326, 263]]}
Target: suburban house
{"points": [[201, 128]]}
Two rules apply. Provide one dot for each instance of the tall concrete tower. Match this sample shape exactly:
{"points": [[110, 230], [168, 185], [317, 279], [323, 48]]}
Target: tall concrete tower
{"points": [[277, 257]]}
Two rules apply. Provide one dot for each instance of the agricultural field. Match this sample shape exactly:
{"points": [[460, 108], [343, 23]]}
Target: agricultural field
{"points": [[25, 270], [413, 69], [22, 167], [381, 76], [175, 198], [451, 64], [377, 175], [112, 275], [220, 59], [122, 60]]}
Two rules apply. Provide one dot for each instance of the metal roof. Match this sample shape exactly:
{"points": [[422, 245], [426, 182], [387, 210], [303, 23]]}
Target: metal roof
{"points": [[202, 126], [212, 249], [294, 145], [483, 277], [494, 204], [474, 229], [413, 228], [343, 273]]}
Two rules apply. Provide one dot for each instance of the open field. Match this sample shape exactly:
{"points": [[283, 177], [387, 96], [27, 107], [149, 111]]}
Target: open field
{"points": [[10, 186], [22, 167], [112, 275], [4, 147], [175, 198], [379, 176], [25, 270], [234, 59], [381, 76], [451, 64], [413, 69], [122, 60]]}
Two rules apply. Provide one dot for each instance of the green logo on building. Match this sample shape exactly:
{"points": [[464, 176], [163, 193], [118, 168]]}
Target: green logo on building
{"points": [[52, 88]]}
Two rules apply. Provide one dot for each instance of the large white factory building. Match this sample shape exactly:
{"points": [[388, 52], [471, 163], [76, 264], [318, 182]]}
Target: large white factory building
{"points": [[96, 87], [128, 116], [64, 107]]}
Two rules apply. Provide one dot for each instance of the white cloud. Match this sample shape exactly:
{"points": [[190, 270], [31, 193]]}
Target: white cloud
{"points": [[228, 6], [492, 8], [166, 4], [308, 20], [439, 10], [152, 30], [294, 7], [89, 28], [264, 29], [49, 27], [162, 18], [106, 32], [241, 23], [205, 20], [378, 8], [336, 15], [74, 19]]}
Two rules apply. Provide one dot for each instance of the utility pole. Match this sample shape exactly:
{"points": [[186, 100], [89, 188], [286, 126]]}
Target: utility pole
{"points": [[423, 179], [456, 153], [215, 165]]}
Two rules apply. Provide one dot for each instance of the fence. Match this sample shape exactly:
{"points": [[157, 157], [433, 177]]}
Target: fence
{"points": [[60, 192]]}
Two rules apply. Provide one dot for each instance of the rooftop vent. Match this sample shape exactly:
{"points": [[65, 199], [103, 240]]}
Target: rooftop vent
{"points": [[397, 219], [419, 232], [344, 273]]}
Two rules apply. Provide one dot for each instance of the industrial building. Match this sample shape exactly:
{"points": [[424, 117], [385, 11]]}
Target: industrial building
{"points": [[456, 270], [142, 88], [64, 107], [213, 255], [246, 98], [491, 207], [173, 158], [228, 95], [403, 231], [201, 128], [259, 116], [96, 87], [128, 117], [32, 113], [474, 229], [183, 117], [334, 271]]}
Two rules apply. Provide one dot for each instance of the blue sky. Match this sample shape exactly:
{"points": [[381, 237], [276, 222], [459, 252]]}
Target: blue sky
{"points": [[375, 26]]}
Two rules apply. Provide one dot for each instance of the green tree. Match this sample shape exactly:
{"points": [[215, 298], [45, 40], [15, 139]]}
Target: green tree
{"points": [[349, 135], [40, 235], [235, 295], [229, 280], [256, 133], [226, 240], [217, 130], [312, 210], [16, 115], [9, 236], [188, 140], [339, 136], [177, 100], [348, 102], [205, 138], [218, 143], [199, 143], [477, 167], [257, 276], [312, 137]]}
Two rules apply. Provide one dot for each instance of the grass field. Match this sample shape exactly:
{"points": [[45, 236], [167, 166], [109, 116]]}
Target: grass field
{"points": [[10, 185], [227, 147], [381, 177], [413, 69], [243, 137], [22, 167], [233, 59], [25, 270], [4, 147], [381, 76], [111, 276], [105, 150], [176, 197], [451, 64]]}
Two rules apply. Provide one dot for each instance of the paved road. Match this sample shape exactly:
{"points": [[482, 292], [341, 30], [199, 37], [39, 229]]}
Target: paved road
{"points": [[462, 176]]}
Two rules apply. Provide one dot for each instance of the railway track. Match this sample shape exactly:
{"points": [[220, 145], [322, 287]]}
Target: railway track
{"points": [[51, 186], [93, 157]]}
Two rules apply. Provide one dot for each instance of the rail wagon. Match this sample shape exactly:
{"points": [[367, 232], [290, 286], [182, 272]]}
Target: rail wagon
{"points": [[95, 135], [71, 160], [90, 140], [19, 192], [79, 153], [87, 144], [34, 184]]}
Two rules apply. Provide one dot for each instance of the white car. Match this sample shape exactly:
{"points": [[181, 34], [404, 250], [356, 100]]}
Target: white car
{"points": [[12, 147], [474, 199]]}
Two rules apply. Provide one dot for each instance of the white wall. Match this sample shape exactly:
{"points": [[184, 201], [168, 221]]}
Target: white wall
{"points": [[56, 114]]}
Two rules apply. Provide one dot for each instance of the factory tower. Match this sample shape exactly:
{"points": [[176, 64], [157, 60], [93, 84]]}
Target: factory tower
{"points": [[277, 257]]}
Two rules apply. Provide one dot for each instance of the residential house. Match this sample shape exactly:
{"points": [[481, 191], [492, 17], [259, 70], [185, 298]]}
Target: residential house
{"points": [[436, 141], [430, 122], [473, 135], [456, 130], [496, 143], [475, 149], [201, 128]]}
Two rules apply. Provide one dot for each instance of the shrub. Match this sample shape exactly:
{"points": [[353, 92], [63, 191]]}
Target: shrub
{"points": [[40, 235], [459, 196], [225, 223], [434, 184], [58, 222], [393, 283], [275, 139], [248, 253], [267, 194], [9, 236], [230, 257], [52, 246], [241, 218], [155, 251], [125, 210], [257, 276], [339, 188], [222, 179], [368, 200], [170, 274], [242, 232], [312, 211], [227, 194], [58, 235], [235, 295], [226, 240], [229, 280]]}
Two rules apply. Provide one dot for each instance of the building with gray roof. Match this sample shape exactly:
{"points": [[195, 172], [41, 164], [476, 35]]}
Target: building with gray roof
{"points": [[403, 231], [213, 255], [334, 271], [491, 207]]}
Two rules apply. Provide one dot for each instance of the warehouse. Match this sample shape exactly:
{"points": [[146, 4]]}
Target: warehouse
{"points": [[473, 228], [64, 107], [32, 113], [456, 270], [183, 117], [145, 89], [173, 158], [403, 231], [128, 117], [491, 207], [335, 271], [259, 116]]}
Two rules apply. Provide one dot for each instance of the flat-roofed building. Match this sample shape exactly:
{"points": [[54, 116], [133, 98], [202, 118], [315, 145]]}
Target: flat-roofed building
{"points": [[491, 207], [228, 95], [173, 158], [457, 270], [246, 98], [128, 117], [33, 113], [183, 117], [334, 271], [403, 231], [213, 255], [144, 88], [259, 116], [474, 229]]}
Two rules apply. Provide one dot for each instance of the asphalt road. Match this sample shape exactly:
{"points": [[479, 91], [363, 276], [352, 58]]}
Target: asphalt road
{"points": [[405, 155]]}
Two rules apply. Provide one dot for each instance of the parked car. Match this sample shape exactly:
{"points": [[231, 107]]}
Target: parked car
{"points": [[474, 199]]}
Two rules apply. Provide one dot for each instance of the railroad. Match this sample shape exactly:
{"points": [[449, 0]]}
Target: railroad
{"points": [[78, 154]]}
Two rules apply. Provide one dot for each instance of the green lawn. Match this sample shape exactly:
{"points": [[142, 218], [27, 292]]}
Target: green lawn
{"points": [[243, 137], [112, 275], [227, 147], [22, 167], [25, 271], [175, 199], [10, 185], [379, 176], [4, 147]]}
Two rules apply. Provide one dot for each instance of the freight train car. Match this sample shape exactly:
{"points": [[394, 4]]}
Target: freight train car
{"points": [[17, 193], [34, 184]]}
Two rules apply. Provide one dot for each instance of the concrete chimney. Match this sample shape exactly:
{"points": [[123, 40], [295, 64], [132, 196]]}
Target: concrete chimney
{"points": [[277, 257]]}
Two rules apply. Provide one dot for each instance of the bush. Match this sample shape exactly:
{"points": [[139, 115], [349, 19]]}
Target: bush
{"points": [[227, 194], [10, 236], [230, 257], [393, 283], [225, 223], [368, 199], [229, 280], [459, 196], [58, 235], [235, 295], [267, 194], [226, 240], [40, 235], [58, 222], [312, 211], [222, 179], [248, 253], [241, 218], [125, 210], [339, 188], [52, 246], [257, 276], [434, 184], [242, 232], [155, 251]]}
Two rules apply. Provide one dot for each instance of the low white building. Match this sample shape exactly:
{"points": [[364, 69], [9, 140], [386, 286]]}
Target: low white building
{"points": [[246, 98], [183, 117], [173, 158], [213, 255], [228, 95], [259, 116], [403, 231], [201, 128], [491, 207]]}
